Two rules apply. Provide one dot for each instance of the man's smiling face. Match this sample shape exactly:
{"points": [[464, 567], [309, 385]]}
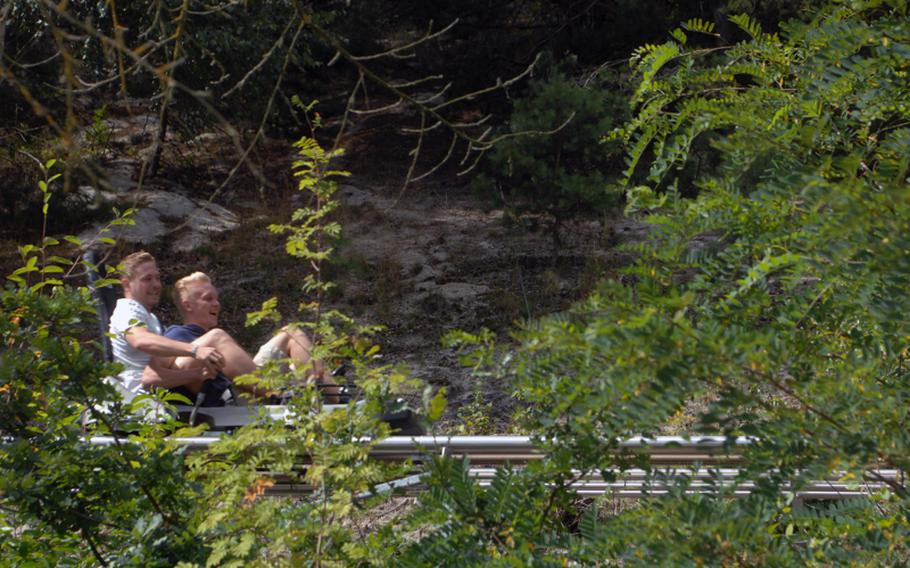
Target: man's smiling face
{"points": [[144, 285], [201, 305]]}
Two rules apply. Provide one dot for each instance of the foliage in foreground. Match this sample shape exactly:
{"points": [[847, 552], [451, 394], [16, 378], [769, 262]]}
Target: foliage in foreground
{"points": [[143, 501], [772, 304]]}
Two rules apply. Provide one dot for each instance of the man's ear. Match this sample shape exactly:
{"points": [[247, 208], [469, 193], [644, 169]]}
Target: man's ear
{"points": [[125, 282]]}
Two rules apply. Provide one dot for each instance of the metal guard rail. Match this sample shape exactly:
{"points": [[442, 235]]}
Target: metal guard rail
{"points": [[674, 458]]}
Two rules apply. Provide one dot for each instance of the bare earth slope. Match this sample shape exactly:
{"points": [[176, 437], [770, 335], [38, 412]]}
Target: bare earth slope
{"points": [[440, 259]]}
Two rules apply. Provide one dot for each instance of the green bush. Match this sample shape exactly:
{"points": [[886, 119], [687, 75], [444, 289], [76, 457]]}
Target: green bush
{"points": [[776, 297], [144, 501], [64, 500], [563, 173]]}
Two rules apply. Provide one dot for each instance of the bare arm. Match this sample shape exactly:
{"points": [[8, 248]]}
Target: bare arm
{"points": [[139, 337], [159, 373], [156, 345]]}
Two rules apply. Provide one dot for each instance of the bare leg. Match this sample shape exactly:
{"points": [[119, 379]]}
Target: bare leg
{"points": [[299, 348], [189, 363], [236, 361]]}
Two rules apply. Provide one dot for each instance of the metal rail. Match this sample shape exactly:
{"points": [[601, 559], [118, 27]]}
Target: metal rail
{"points": [[517, 445], [639, 483], [674, 457], [660, 481]]}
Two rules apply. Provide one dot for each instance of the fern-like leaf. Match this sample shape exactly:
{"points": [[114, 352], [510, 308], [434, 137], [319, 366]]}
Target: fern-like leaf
{"points": [[747, 24], [699, 26]]}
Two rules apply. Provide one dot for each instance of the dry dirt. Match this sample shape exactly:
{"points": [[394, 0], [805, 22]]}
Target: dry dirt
{"points": [[441, 259]]}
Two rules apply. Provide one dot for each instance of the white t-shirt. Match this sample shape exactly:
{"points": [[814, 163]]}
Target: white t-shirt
{"points": [[128, 314]]}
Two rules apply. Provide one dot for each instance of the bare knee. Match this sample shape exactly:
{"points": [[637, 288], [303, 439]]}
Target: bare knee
{"points": [[298, 336], [299, 345], [281, 340], [214, 337]]}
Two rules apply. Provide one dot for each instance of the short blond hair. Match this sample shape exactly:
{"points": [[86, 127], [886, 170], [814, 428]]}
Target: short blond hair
{"points": [[181, 287], [130, 263]]}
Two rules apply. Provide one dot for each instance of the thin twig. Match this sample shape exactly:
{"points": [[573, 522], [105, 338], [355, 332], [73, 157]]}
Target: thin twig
{"points": [[398, 50], [265, 59]]}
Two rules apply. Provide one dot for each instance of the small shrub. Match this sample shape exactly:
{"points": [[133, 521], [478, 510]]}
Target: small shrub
{"points": [[99, 134], [474, 417], [563, 173]]}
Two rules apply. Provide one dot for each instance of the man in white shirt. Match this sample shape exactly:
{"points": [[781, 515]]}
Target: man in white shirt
{"points": [[138, 333]]}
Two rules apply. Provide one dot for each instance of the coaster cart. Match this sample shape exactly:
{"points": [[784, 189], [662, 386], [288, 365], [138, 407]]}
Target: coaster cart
{"points": [[402, 420]]}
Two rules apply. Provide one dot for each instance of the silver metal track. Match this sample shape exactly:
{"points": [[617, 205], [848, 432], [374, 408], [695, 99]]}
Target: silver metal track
{"points": [[708, 463], [638, 483]]}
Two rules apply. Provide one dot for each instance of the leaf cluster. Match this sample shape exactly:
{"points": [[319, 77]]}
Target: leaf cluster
{"points": [[768, 301], [326, 451], [142, 500]]}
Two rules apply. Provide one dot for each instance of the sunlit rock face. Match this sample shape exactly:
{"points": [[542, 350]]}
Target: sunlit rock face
{"points": [[163, 215]]}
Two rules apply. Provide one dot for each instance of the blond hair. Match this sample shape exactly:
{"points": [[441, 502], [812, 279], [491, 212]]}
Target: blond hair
{"points": [[130, 263], [181, 287]]}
